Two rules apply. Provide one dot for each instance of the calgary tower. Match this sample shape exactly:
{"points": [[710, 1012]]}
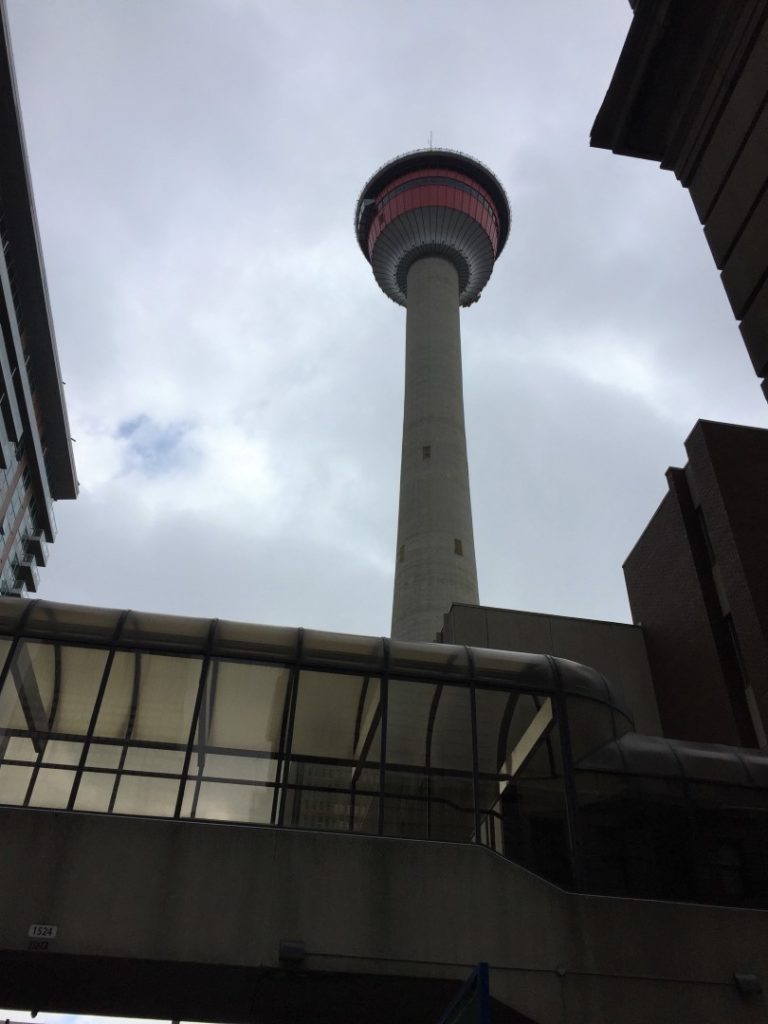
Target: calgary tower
{"points": [[432, 223]]}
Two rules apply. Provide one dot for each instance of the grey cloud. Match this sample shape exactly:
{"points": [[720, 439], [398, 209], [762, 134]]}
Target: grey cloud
{"points": [[196, 164]]}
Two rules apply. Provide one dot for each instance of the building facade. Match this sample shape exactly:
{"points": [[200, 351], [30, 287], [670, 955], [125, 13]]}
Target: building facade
{"points": [[36, 460], [696, 581], [690, 92]]}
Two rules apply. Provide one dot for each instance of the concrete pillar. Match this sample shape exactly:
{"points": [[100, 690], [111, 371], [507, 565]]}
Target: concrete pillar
{"points": [[435, 563]]}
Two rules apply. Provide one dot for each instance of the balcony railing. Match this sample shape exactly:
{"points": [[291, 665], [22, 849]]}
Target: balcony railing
{"points": [[37, 546], [27, 572]]}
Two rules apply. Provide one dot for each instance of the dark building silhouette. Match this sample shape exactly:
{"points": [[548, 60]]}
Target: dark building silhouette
{"points": [[690, 92], [697, 581], [36, 461]]}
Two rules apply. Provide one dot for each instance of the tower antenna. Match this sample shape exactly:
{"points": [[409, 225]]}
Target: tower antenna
{"points": [[430, 140]]}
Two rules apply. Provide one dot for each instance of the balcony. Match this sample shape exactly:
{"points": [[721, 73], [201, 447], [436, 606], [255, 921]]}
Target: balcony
{"points": [[27, 572], [37, 546]]}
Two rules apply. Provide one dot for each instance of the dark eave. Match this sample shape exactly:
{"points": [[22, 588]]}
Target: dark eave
{"points": [[667, 60], [23, 234]]}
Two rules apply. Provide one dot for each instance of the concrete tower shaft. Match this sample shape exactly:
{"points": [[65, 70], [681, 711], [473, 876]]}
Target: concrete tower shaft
{"points": [[435, 544], [431, 224]]}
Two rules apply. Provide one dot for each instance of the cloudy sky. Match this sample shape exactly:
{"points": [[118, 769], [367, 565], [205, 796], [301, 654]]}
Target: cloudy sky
{"points": [[233, 375]]}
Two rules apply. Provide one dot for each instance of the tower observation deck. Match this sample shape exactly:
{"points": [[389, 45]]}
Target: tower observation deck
{"points": [[432, 223]]}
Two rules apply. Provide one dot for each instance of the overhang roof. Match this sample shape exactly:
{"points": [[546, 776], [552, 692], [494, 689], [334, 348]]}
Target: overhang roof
{"points": [[668, 63]]}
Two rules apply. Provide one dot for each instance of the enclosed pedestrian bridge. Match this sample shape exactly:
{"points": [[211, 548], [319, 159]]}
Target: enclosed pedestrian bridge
{"points": [[186, 799], [128, 713]]}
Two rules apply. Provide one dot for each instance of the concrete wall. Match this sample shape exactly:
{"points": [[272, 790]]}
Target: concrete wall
{"points": [[728, 476], [663, 576], [615, 649], [222, 897], [696, 582]]}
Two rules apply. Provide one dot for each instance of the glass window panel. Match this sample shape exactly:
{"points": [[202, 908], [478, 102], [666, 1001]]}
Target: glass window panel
{"points": [[20, 748], [712, 763], [115, 712], [514, 739], [29, 684], [756, 762], [408, 713], [532, 827], [544, 757], [648, 755], [607, 759], [191, 788], [545, 762], [52, 788], [730, 851], [244, 704], [451, 745], [231, 766], [368, 746], [635, 836], [494, 714], [160, 707], [406, 807], [152, 796], [327, 714], [14, 780], [229, 802], [167, 696], [591, 726], [491, 819], [104, 755], [364, 802], [451, 809], [319, 797], [603, 838], [149, 759], [62, 752], [81, 672], [95, 791], [5, 646]]}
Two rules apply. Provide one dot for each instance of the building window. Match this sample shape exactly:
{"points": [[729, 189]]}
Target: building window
{"points": [[457, 548], [426, 451]]}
